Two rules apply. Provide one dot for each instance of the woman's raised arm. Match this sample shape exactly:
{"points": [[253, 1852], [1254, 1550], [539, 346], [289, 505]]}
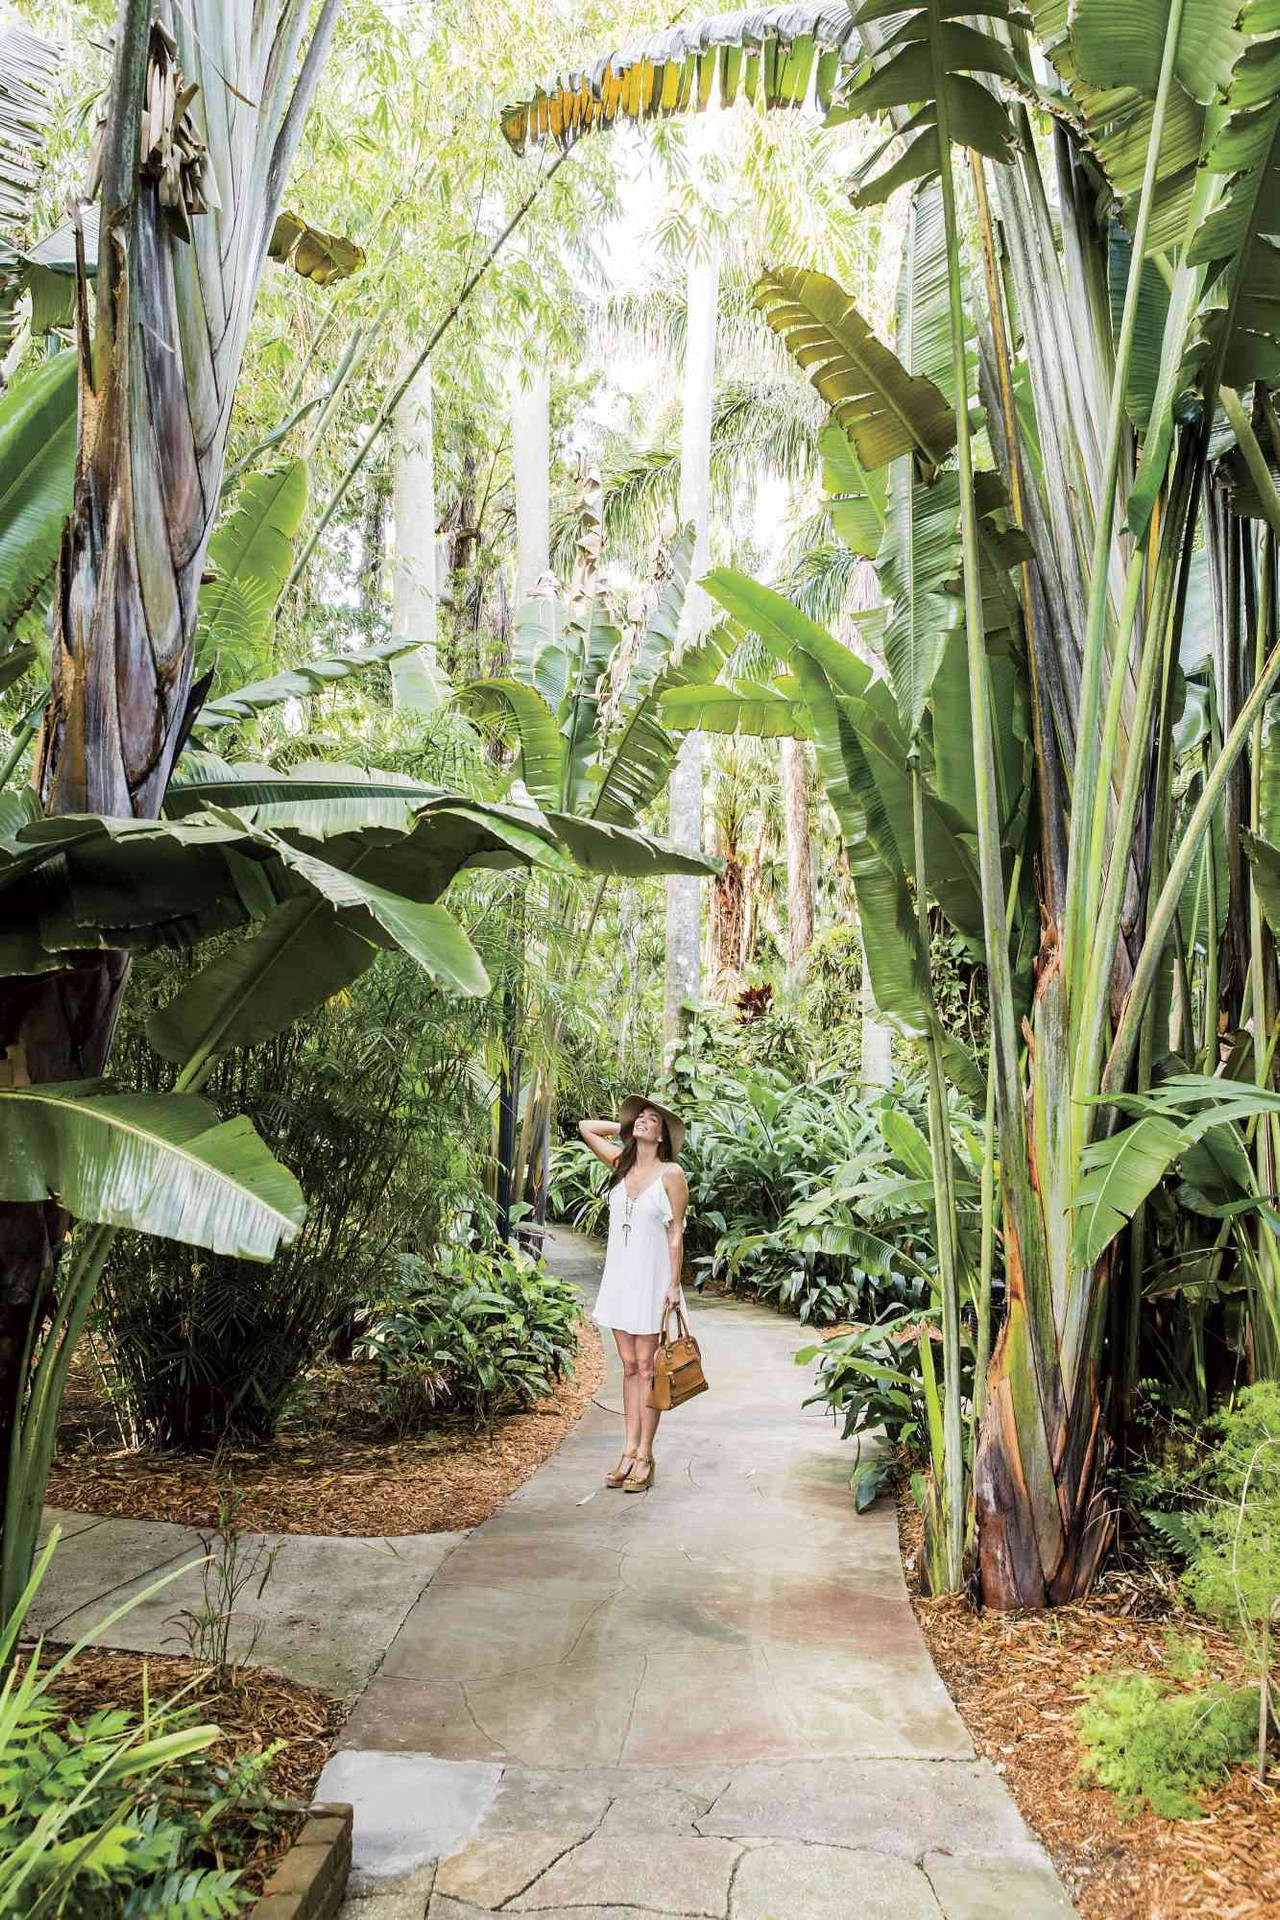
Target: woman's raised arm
{"points": [[599, 1136]]}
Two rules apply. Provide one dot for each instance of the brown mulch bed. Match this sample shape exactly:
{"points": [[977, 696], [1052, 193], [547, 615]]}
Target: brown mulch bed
{"points": [[322, 1474], [253, 1710], [1016, 1680]]}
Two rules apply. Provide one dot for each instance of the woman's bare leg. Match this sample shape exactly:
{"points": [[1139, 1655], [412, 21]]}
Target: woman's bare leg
{"points": [[646, 1346], [633, 1391]]}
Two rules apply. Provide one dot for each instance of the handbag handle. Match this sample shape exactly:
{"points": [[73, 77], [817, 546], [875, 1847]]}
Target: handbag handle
{"points": [[682, 1325]]}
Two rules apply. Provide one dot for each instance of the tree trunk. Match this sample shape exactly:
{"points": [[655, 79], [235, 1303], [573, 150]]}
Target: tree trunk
{"points": [[530, 400], [794, 768], [684, 891], [172, 314], [530, 390], [413, 577], [877, 1039], [372, 580]]}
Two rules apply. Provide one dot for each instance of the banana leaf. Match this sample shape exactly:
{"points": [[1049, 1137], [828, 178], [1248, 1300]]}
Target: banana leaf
{"points": [[158, 1163], [37, 468]]}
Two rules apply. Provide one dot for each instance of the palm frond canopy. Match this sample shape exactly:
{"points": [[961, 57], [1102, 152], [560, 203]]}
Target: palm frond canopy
{"points": [[778, 56], [28, 66]]}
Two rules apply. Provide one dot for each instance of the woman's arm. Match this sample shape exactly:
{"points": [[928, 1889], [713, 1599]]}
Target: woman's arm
{"points": [[678, 1194], [598, 1136]]}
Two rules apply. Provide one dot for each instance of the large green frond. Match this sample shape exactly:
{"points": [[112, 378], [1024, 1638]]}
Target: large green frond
{"points": [[37, 469], [885, 410], [159, 1163]]}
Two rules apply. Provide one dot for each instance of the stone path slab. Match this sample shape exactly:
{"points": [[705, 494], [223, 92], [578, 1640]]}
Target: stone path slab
{"points": [[329, 1610], [710, 1700]]}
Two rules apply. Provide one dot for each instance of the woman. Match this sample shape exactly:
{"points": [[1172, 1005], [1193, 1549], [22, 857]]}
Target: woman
{"points": [[648, 1195]]}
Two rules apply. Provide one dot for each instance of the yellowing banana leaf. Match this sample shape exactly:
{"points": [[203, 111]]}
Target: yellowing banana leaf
{"points": [[773, 56], [316, 255]]}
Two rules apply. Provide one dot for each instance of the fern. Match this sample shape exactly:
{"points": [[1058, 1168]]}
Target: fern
{"points": [[1159, 1749], [1178, 1530]]}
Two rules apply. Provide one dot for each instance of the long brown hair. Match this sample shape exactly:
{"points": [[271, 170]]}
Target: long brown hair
{"points": [[627, 1158]]}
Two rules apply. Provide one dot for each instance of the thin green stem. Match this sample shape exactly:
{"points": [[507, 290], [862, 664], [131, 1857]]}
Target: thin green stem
{"points": [[1094, 1000], [952, 1488], [387, 410], [1126, 1040], [23, 737], [1081, 884]]}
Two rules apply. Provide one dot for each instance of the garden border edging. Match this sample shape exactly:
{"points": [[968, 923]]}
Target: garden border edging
{"points": [[310, 1881]]}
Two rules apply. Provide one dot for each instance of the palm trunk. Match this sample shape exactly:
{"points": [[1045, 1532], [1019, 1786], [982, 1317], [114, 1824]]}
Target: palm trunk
{"points": [[155, 404], [794, 760], [684, 892], [530, 394], [530, 390], [413, 577]]}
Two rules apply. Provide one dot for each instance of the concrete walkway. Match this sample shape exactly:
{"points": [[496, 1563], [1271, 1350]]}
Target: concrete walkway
{"points": [[711, 1699], [329, 1610]]}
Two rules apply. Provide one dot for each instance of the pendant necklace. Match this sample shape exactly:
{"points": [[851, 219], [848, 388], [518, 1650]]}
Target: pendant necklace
{"points": [[628, 1209]]}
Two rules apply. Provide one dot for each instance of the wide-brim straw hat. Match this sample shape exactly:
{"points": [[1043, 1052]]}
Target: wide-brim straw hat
{"points": [[634, 1105]]}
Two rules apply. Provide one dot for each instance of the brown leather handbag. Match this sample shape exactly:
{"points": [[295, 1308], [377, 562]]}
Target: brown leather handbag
{"points": [[677, 1365]]}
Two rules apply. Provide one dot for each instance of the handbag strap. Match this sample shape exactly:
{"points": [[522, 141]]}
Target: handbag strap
{"points": [[682, 1325]]}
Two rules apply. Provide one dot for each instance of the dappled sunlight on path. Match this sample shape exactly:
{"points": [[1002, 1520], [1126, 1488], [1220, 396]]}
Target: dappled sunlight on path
{"points": [[709, 1699]]}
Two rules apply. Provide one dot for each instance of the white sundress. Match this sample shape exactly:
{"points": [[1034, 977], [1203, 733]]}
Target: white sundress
{"points": [[637, 1261]]}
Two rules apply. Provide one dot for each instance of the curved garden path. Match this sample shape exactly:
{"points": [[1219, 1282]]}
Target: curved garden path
{"points": [[712, 1699]]}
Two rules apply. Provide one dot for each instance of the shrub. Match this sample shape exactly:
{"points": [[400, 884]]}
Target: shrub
{"points": [[1154, 1747], [1234, 1570], [471, 1333], [872, 1380], [369, 1104]]}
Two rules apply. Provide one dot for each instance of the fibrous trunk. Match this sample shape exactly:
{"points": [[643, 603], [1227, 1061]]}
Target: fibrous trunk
{"points": [[684, 893]]}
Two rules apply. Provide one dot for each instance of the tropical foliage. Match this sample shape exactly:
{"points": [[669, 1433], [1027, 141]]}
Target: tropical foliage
{"points": [[1032, 757]]}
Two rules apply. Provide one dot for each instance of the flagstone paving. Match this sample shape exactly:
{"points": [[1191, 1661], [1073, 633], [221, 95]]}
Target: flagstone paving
{"points": [[710, 1699]]}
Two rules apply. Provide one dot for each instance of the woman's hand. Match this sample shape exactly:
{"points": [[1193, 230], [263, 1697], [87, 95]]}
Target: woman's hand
{"points": [[672, 1299], [599, 1136]]}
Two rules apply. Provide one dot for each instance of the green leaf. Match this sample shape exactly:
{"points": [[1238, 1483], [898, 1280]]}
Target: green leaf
{"points": [[1122, 46], [299, 682], [636, 763], [1264, 864], [37, 471], [885, 410], [747, 707], [918, 563], [157, 1163], [855, 497], [261, 985], [520, 711], [599, 846], [539, 650], [423, 930], [251, 554], [1152, 315]]}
